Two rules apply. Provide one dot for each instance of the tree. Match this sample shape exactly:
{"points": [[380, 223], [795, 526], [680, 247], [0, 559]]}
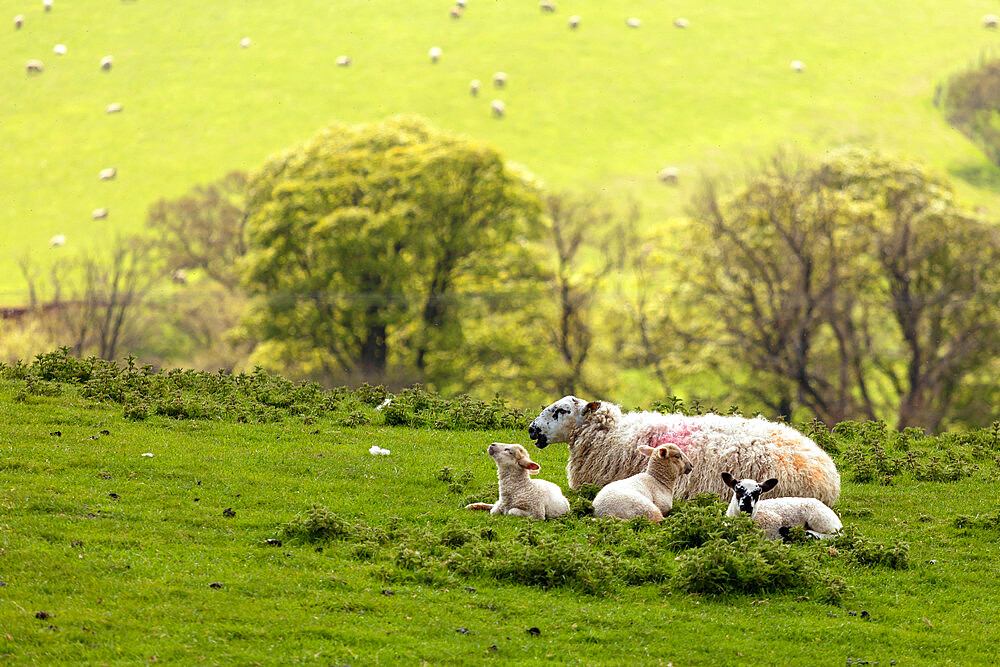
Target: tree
{"points": [[857, 280], [204, 229], [971, 103], [365, 240]]}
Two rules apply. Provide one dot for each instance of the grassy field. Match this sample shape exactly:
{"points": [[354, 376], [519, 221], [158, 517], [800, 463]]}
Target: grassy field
{"points": [[122, 551], [602, 107]]}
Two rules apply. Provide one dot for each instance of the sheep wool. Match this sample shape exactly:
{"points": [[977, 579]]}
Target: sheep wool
{"points": [[603, 446]]}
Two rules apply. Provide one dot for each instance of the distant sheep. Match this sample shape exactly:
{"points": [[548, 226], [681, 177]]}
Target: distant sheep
{"points": [[798, 66], [498, 108], [669, 175], [99, 213], [991, 21], [649, 494], [499, 79], [519, 494], [245, 43], [602, 448], [114, 107], [435, 53], [474, 86], [460, 3], [34, 66], [633, 22], [18, 21], [574, 21], [776, 515], [343, 61], [107, 174], [57, 241], [107, 62], [455, 12], [681, 23], [59, 49], [179, 276], [547, 6], [47, 4]]}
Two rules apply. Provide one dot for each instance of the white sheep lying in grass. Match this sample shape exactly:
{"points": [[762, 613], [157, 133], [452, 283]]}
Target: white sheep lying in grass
{"points": [[602, 448], [649, 494], [775, 516], [519, 494]]}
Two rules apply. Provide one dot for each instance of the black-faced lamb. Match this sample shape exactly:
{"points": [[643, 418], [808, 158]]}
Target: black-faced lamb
{"points": [[519, 494], [775, 516], [649, 494], [602, 448]]}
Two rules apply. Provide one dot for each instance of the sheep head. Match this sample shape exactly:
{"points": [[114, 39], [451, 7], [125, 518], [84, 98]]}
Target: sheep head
{"points": [[746, 493], [666, 462], [557, 422], [512, 456]]}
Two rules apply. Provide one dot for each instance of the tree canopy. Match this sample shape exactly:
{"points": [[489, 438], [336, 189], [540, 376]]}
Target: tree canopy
{"points": [[367, 242]]}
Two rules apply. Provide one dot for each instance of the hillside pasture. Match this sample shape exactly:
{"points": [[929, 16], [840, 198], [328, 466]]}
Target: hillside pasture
{"points": [[601, 107]]}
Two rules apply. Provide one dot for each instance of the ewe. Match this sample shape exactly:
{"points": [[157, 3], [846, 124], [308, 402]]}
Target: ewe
{"points": [[602, 448], [574, 21], [776, 515], [435, 53], [474, 87], [499, 79], [498, 108], [34, 66], [519, 494], [18, 21], [649, 494], [107, 62]]}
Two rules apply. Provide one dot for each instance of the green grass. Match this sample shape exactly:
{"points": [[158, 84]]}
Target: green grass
{"points": [[603, 107], [137, 588]]}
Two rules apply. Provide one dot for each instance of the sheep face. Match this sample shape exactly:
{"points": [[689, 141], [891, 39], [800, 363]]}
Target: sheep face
{"points": [[667, 460], [557, 421], [746, 492], [512, 456]]}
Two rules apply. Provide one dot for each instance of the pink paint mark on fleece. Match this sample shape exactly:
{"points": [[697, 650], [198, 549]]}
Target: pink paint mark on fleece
{"points": [[678, 433]]}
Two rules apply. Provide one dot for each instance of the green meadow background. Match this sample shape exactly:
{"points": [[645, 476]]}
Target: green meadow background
{"points": [[604, 107]]}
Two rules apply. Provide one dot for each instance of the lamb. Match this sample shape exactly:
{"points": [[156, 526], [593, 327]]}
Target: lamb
{"points": [[57, 241], [107, 174], [775, 516], [498, 108], [547, 6], [474, 86], [455, 12], [435, 53], [681, 23], [107, 62], [114, 107], [18, 21], [669, 175], [519, 494], [245, 43], [59, 49], [633, 22], [99, 213], [574, 22], [34, 66], [602, 448], [343, 61], [499, 79], [47, 4], [798, 66], [649, 494], [990, 20]]}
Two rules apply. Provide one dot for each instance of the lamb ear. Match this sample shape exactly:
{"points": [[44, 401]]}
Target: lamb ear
{"points": [[728, 479], [768, 485], [663, 452], [530, 466], [590, 407], [645, 450]]}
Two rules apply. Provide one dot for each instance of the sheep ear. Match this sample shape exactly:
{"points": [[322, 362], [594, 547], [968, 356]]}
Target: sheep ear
{"points": [[530, 466], [768, 485], [645, 450], [663, 452], [728, 479], [590, 407]]}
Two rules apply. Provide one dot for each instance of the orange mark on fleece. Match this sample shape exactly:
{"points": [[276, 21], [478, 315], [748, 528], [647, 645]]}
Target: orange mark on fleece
{"points": [[678, 433]]}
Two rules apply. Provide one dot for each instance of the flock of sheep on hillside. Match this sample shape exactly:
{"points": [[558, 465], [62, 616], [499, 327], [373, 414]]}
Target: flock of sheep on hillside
{"points": [[643, 460]]}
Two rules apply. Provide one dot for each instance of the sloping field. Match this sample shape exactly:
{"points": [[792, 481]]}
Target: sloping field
{"points": [[604, 106]]}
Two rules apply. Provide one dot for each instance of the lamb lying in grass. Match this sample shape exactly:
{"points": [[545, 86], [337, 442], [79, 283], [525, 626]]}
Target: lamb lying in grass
{"points": [[649, 494], [775, 516], [519, 494]]}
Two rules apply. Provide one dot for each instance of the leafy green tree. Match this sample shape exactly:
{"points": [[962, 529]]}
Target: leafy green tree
{"points": [[857, 281], [375, 247]]}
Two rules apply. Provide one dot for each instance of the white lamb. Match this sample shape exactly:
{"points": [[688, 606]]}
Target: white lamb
{"points": [[519, 494], [602, 448], [775, 516], [649, 494]]}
